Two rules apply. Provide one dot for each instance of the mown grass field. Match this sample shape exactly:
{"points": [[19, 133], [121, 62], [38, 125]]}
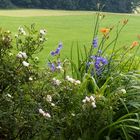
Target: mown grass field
{"points": [[70, 27]]}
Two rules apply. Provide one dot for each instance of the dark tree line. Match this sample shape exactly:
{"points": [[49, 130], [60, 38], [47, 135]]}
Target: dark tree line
{"points": [[109, 5]]}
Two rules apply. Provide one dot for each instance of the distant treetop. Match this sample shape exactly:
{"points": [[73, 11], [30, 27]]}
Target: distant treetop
{"points": [[123, 6]]}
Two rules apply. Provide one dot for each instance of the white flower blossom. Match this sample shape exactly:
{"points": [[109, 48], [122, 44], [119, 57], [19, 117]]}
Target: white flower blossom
{"points": [[67, 77], [41, 39], [30, 79], [49, 98], [92, 98], [45, 114], [59, 67], [123, 91], [84, 101], [52, 104], [56, 81], [87, 99], [76, 82], [41, 111], [90, 101], [8, 32], [93, 104], [73, 114], [43, 32], [71, 80], [19, 55], [22, 55], [26, 64], [3, 38], [8, 95], [21, 31]]}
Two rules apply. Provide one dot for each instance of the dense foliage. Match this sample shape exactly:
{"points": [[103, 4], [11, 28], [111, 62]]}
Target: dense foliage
{"points": [[96, 98], [109, 5]]}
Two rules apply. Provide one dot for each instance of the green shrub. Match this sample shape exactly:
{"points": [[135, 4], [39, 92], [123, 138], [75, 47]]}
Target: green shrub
{"points": [[94, 98]]}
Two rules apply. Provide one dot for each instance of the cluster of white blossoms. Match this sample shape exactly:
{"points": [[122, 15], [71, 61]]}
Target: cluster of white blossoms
{"points": [[90, 100], [49, 100], [56, 81], [22, 55], [21, 31], [45, 114], [76, 82], [42, 32]]}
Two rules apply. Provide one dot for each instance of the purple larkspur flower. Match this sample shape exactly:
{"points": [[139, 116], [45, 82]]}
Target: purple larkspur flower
{"points": [[104, 61], [51, 66], [99, 61], [55, 65], [58, 63], [60, 45], [57, 51], [95, 42], [52, 53]]}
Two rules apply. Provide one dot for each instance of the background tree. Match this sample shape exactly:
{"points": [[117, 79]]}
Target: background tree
{"points": [[123, 6], [6, 4]]}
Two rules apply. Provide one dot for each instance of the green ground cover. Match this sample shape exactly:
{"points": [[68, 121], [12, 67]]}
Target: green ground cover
{"points": [[70, 27]]}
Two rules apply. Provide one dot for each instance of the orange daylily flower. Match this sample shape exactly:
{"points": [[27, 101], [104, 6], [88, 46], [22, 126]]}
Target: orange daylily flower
{"points": [[105, 31], [134, 44]]}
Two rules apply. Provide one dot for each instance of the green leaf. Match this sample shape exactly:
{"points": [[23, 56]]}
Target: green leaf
{"points": [[89, 84]]}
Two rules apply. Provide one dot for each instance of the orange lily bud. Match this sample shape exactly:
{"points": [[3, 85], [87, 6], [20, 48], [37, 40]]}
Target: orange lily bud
{"points": [[134, 44]]}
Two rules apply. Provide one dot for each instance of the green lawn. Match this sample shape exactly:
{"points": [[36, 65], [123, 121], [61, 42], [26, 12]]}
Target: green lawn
{"points": [[69, 27]]}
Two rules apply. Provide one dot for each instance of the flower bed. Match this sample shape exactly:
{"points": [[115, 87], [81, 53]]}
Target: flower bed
{"points": [[97, 97]]}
